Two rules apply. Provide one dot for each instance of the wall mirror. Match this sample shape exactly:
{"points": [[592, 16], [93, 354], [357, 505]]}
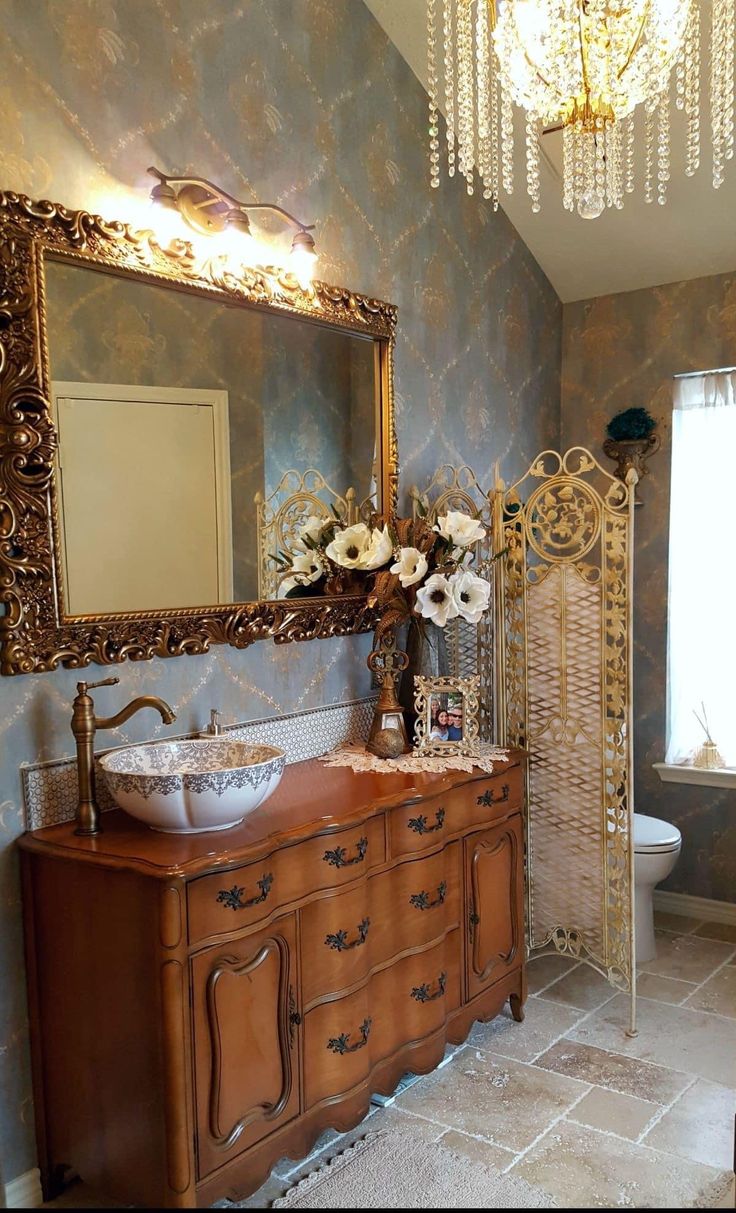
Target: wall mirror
{"points": [[165, 427]]}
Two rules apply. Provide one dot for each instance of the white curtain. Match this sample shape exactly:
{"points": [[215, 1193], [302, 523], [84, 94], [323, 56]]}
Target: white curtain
{"points": [[701, 656]]}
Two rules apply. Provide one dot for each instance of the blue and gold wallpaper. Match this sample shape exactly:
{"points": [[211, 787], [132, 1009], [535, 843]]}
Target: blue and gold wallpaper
{"points": [[305, 103], [619, 352]]}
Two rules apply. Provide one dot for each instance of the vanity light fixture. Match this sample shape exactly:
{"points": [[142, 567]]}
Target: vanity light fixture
{"points": [[211, 211]]}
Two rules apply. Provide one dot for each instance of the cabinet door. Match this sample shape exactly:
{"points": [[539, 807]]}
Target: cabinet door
{"points": [[245, 1042], [495, 892]]}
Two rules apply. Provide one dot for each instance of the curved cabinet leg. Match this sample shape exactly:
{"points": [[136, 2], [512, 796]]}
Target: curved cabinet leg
{"points": [[517, 1007]]}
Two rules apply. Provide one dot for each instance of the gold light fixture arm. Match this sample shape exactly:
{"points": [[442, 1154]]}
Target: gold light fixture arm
{"points": [[207, 195]]}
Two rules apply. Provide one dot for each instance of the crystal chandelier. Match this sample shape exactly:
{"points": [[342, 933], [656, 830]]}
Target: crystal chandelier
{"points": [[599, 71]]}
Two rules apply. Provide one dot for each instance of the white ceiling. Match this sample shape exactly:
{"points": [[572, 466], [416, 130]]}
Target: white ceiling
{"points": [[643, 245]]}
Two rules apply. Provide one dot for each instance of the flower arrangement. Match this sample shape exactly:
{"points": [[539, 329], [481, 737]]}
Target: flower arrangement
{"points": [[631, 425], [412, 571]]}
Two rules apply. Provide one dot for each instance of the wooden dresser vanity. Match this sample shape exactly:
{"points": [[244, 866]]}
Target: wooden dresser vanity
{"points": [[203, 1005]]}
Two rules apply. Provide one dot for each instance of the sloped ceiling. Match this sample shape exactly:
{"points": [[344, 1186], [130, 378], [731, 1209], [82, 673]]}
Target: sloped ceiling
{"points": [[643, 245]]}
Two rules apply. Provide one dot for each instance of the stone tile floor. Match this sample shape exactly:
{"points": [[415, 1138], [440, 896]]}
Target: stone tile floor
{"points": [[569, 1102]]}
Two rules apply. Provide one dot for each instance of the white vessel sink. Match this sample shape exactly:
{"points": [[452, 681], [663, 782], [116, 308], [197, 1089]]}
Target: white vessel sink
{"points": [[188, 787]]}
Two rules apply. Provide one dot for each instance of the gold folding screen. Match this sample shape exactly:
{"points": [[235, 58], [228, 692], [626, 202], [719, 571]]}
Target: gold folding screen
{"points": [[562, 689], [566, 598]]}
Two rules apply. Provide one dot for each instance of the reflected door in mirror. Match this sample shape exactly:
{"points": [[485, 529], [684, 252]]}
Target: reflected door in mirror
{"points": [[144, 501]]}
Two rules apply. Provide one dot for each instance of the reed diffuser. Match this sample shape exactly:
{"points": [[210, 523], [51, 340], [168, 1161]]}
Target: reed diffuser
{"points": [[707, 757]]}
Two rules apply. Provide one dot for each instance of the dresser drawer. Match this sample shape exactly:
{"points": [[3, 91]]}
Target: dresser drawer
{"points": [[423, 825], [345, 937], [233, 899], [344, 1039]]}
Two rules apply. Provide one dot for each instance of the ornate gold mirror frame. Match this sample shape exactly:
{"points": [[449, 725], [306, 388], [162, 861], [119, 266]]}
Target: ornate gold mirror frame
{"points": [[35, 633]]}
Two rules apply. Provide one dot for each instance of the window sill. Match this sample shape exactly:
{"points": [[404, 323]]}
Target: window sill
{"points": [[724, 777]]}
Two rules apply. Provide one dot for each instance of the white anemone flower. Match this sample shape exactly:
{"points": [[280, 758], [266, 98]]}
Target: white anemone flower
{"points": [[470, 594], [435, 600], [311, 528], [380, 550], [459, 529], [411, 566], [306, 568], [350, 547]]}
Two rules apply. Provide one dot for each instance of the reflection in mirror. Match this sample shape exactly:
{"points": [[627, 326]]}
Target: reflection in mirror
{"points": [[196, 437]]}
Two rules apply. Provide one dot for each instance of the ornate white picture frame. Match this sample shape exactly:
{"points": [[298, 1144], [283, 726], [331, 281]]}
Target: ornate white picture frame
{"points": [[458, 700]]}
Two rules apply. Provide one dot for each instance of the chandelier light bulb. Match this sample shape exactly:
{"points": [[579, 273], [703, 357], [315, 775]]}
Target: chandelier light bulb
{"points": [[600, 72]]}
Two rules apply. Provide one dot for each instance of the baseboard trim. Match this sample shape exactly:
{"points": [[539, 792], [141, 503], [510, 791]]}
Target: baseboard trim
{"points": [[24, 1192], [695, 907]]}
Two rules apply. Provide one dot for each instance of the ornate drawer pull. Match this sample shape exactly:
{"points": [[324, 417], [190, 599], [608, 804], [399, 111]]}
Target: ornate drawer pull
{"points": [[422, 994], [339, 941], [421, 901], [419, 824], [488, 798], [295, 1018], [337, 857], [232, 897], [339, 1044], [473, 920]]}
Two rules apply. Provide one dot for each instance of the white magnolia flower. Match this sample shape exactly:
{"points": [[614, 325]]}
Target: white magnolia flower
{"points": [[411, 566], [435, 600], [349, 548], [306, 568], [470, 594], [459, 529], [380, 550], [311, 528]]}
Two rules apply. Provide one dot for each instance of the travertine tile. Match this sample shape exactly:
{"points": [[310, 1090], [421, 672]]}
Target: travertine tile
{"points": [[583, 988], [493, 1097], [687, 957], [694, 1041], [718, 995], [700, 1126], [663, 989], [614, 1113], [680, 924], [628, 1075], [542, 970], [581, 1167], [478, 1149], [543, 1023], [717, 930]]}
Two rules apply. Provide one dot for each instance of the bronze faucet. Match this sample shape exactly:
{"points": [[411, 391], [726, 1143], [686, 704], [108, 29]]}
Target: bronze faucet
{"points": [[84, 727]]}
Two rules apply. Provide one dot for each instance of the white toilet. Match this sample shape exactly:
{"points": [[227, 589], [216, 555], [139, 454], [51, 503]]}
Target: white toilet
{"points": [[656, 848]]}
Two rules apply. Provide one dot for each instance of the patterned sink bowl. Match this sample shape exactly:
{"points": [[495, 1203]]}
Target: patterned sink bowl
{"points": [[187, 787]]}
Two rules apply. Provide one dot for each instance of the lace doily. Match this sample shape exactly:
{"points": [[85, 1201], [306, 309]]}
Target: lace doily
{"points": [[357, 757]]}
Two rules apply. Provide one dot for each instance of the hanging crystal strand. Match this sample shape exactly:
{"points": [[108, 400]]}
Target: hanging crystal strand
{"points": [[494, 129], [579, 163], [568, 168], [449, 47], [717, 98], [465, 72], [629, 137], [434, 143], [589, 164], [532, 161], [729, 51], [507, 140], [663, 148], [598, 140], [614, 182], [650, 109], [482, 55], [692, 91]]}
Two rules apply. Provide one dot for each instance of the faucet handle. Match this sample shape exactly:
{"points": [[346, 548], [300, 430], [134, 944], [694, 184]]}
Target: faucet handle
{"points": [[83, 687], [214, 726]]}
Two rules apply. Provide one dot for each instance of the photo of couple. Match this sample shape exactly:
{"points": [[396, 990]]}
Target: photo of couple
{"points": [[446, 717]]}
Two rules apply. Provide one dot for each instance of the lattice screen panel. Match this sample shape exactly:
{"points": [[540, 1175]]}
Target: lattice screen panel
{"points": [[568, 529]]}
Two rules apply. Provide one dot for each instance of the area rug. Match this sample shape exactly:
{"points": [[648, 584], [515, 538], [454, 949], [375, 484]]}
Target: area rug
{"points": [[389, 1170]]}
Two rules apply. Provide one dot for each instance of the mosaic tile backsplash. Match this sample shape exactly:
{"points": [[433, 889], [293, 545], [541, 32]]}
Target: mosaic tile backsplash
{"points": [[305, 103], [622, 351]]}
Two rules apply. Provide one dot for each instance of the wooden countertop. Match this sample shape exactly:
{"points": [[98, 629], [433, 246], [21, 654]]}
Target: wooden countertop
{"points": [[312, 798]]}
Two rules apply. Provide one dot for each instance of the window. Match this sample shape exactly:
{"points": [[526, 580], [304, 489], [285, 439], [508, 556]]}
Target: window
{"points": [[701, 657]]}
